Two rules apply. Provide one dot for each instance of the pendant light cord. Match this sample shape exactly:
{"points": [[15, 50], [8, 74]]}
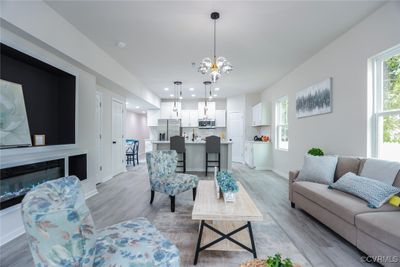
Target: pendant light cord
{"points": [[215, 40]]}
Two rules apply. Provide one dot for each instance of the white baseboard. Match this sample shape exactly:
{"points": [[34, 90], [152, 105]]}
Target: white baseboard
{"points": [[91, 193], [12, 235], [281, 173], [107, 178]]}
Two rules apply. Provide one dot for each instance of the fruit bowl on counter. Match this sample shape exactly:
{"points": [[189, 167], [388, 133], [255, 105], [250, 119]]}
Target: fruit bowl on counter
{"points": [[262, 138]]}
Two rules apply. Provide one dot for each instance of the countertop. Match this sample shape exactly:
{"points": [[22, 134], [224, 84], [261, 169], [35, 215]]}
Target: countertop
{"points": [[190, 142], [259, 142]]}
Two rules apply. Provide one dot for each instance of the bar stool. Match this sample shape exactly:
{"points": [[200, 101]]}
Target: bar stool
{"points": [[136, 152], [177, 143], [130, 151], [213, 145]]}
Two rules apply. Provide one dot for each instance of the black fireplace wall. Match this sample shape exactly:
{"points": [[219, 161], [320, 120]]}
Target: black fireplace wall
{"points": [[49, 95]]}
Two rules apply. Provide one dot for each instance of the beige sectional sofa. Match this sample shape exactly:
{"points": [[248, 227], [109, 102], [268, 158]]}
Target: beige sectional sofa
{"points": [[376, 232]]}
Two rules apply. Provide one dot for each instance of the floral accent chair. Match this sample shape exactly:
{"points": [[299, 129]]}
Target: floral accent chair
{"points": [[61, 232], [161, 166]]}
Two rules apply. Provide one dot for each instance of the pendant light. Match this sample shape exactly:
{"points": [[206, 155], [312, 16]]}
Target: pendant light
{"points": [[206, 83], [177, 91], [216, 66]]}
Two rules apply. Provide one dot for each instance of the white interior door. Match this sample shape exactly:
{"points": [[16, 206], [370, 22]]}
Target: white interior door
{"points": [[117, 137], [236, 133], [99, 143]]}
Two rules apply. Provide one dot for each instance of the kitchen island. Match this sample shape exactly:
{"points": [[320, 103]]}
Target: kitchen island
{"points": [[196, 154]]}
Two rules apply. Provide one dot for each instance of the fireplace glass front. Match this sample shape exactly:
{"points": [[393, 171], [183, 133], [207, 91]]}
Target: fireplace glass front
{"points": [[15, 182]]}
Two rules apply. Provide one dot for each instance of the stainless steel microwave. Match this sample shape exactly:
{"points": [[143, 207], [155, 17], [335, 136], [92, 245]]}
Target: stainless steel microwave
{"points": [[206, 124]]}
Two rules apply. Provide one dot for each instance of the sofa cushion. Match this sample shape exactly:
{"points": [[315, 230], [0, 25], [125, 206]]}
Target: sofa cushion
{"points": [[318, 169], [174, 184], [381, 170], [134, 243], [345, 165], [375, 192], [339, 203], [383, 226], [397, 180]]}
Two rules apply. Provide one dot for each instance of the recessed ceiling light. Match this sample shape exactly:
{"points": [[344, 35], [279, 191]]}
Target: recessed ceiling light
{"points": [[181, 97], [191, 89], [144, 111], [215, 95], [137, 107], [121, 44], [171, 95], [127, 102], [193, 95], [166, 89], [216, 89]]}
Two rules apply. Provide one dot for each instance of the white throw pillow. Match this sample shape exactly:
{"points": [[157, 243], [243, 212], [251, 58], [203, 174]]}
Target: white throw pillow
{"points": [[381, 170], [318, 169]]}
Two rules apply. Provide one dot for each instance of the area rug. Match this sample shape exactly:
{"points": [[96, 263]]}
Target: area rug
{"points": [[183, 232]]}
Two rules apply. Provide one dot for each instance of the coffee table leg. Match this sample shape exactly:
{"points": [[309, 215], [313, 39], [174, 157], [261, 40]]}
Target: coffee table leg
{"points": [[199, 242], [253, 246]]}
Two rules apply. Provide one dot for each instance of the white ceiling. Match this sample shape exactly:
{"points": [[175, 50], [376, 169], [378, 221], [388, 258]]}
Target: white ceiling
{"points": [[263, 40]]}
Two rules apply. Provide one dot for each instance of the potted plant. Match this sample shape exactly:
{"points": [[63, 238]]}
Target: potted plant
{"points": [[271, 261], [228, 185], [316, 151]]}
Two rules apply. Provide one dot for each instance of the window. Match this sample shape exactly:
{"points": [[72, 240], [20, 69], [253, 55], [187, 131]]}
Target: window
{"points": [[386, 106], [282, 124]]}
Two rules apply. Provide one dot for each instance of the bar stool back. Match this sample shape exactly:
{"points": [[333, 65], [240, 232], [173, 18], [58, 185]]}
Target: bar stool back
{"points": [[177, 143], [213, 145], [136, 152]]}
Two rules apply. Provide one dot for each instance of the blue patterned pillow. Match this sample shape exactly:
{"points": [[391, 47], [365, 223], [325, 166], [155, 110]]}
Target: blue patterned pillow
{"points": [[374, 192]]}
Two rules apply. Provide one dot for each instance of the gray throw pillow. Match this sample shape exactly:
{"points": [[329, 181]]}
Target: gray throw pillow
{"points": [[376, 193], [381, 170], [318, 169]]}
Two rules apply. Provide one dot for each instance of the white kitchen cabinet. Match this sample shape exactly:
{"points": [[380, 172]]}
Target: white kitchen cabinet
{"points": [[185, 118], [194, 118], [148, 146], [166, 110], [220, 118], [152, 117], [210, 112], [189, 118], [261, 115], [258, 155], [248, 154]]}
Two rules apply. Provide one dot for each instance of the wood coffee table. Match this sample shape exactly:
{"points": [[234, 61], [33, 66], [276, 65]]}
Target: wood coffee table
{"points": [[221, 223]]}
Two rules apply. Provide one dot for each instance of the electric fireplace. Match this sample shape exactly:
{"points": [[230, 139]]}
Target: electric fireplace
{"points": [[15, 182]]}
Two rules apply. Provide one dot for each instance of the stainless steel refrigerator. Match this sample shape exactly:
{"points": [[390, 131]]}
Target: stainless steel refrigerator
{"points": [[168, 128]]}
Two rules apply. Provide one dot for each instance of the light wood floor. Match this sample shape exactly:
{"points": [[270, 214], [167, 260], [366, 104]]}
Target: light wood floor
{"points": [[127, 196]]}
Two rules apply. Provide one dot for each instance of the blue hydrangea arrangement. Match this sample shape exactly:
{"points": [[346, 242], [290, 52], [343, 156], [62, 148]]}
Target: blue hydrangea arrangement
{"points": [[226, 182]]}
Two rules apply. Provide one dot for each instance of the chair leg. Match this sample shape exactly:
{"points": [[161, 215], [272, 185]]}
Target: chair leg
{"points": [[219, 161], [206, 164], [184, 162], [172, 203], [152, 197], [194, 193]]}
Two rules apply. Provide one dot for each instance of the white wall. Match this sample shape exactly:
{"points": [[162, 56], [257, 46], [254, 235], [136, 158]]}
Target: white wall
{"points": [[345, 130], [107, 97], [10, 219], [136, 128]]}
